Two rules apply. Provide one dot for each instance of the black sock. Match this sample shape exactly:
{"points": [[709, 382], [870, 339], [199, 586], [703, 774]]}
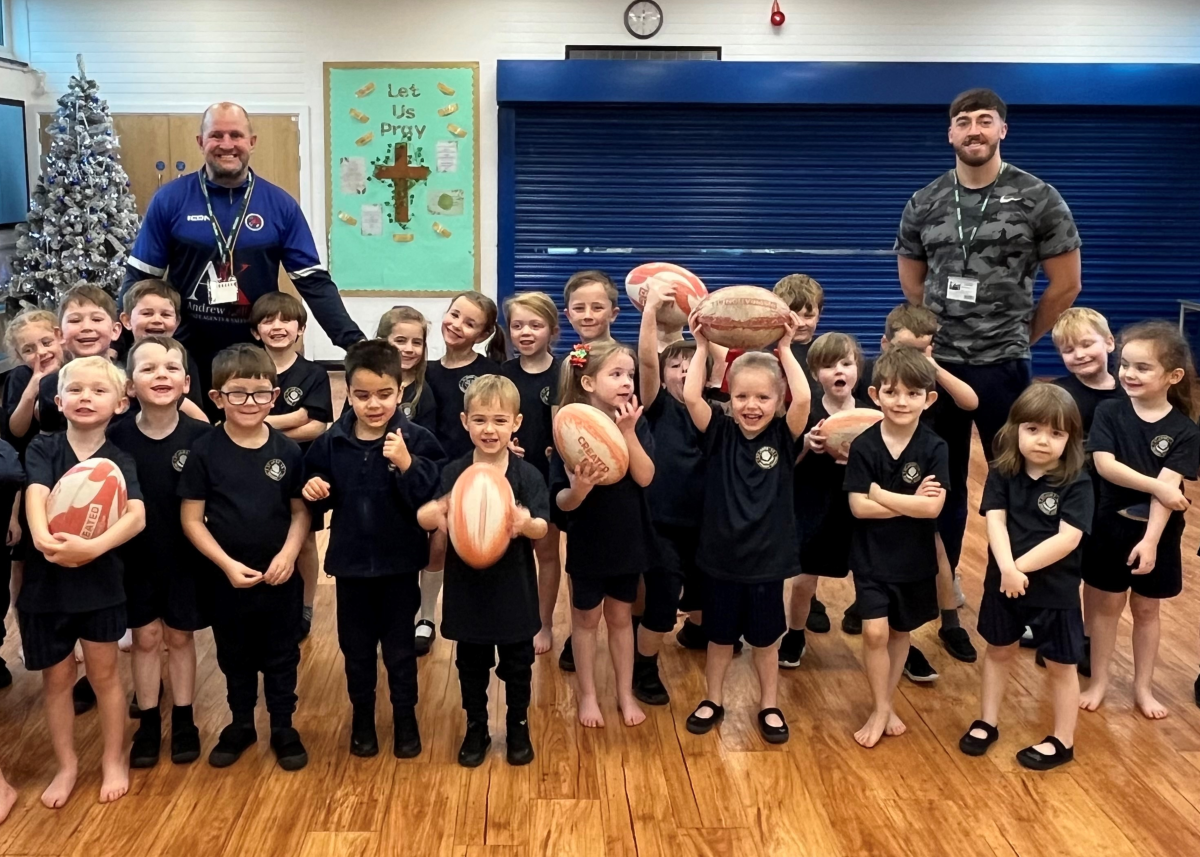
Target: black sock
{"points": [[181, 717], [950, 619], [151, 718], [281, 720]]}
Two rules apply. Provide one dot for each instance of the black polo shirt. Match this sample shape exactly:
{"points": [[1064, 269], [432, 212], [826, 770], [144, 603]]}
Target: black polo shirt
{"points": [[536, 435], [448, 386]]}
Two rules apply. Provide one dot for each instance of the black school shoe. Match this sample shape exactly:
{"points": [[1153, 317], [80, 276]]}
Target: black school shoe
{"points": [[566, 661], [185, 743], [957, 642], [917, 668], [406, 736], [1035, 761], [692, 636], [422, 643], [818, 617], [773, 734], [647, 685], [974, 746], [852, 621], [83, 696], [791, 649], [289, 751], [147, 741], [520, 747], [475, 744], [234, 740], [364, 741], [703, 725]]}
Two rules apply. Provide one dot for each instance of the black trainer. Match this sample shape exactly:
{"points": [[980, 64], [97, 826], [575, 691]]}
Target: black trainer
{"points": [[957, 642], [692, 636], [475, 744], [520, 747], [234, 740], [647, 686], [818, 617], [791, 649], [566, 661], [185, 743], [147, 740], [917, 668], [83, 696], [425, 633], [851, 621], [363, 739], [406, 736], [289, 751], [5, 675]]}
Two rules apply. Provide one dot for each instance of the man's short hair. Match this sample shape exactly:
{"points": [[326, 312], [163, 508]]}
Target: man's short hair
{"points": [[903, 364], [87, 294], [224, 105], [169, 343], [492, 388], [584, 278], [800, 292], [280, 304], [917, 320], [979, 99], [150, 286], [377, 356], [1075, 322], [243, 361], [110, 369], [828, 349]]}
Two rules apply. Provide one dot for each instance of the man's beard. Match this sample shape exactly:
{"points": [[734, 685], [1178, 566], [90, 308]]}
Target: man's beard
{"points": [[216, 171], [976, 160]]}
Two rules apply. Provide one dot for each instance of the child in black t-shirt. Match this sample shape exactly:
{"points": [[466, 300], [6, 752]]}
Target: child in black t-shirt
{"points": [[494, 611], [374, 469], [72, 589], [1085, 343], [407, 330], [469, 320], [1142, 447], [243, 511], [895, 476], [302, 411], [1038, 504], [532, 320], [612, 542], [748, 541], [162, 569]]}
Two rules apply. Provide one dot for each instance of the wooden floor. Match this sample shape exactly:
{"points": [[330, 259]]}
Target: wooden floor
{"points": [[654, 789]]}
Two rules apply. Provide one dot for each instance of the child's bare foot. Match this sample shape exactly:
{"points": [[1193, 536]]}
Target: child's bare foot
{"points": [[543, 641], [895, 726], [631, 712], [60, 787], [115, 781], [1150, 707], [872, 730], [1091, 698], [589, 712], [8, 798]]}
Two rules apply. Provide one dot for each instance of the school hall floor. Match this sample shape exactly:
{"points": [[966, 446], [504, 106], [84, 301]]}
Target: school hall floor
{"points": [[654, 789]]}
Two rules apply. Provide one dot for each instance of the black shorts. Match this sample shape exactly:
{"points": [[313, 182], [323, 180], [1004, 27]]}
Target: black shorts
{"points": [[1057, 632], [907, 606], [588, 592], [666, 582], [751, 610], [170, 593], [49, 638], [1106, 555]]}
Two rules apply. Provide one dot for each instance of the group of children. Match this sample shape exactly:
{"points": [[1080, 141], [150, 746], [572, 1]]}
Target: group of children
{"points": [[730, 492]]}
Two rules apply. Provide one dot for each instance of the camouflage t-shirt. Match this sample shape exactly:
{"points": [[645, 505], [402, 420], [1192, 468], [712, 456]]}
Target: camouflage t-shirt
{"points": [[1025, 222]]}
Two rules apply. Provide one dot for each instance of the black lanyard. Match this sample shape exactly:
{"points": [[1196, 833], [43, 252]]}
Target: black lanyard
{"points": [[225, 245], [964, 241]]}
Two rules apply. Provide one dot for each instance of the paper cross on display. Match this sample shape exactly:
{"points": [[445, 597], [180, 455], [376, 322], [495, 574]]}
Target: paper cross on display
{"points": [[400, 174]]}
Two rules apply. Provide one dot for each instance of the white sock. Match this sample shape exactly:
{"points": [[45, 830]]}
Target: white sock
{"points": [[431, 587]]}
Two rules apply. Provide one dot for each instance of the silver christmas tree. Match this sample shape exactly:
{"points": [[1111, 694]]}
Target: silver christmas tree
{"points": [[82, 216]]}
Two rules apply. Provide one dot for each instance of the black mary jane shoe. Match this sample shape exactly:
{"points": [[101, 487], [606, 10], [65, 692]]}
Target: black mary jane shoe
{"points": [[1036, 761], [973, 746], [773, 734], [703, 725]]}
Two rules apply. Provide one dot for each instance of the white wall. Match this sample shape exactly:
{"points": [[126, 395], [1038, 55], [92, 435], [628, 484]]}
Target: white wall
{"points": [[150, 55]]}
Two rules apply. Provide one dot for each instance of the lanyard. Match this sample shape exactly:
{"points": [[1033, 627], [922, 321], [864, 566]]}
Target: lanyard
{"points": [[225, 245], [964, 241]]}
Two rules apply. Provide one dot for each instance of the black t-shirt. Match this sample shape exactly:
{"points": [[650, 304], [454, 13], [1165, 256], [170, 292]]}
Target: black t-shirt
{"points": [[50, 588], [1088, 399], [749, 528], [677, 493], [162, 545], [1172, 442], [304, 384], [610, 532], [821, 504], [448, 386], [247, 493], [424, 412], [1035, 508], [536, 435], [498, 604], [901, 549]]}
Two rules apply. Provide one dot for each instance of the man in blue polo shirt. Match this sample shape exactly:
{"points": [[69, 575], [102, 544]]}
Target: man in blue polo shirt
{"points": [[219, 236]]}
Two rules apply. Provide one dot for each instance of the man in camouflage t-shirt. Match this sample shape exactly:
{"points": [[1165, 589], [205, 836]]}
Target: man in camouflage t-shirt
{"points": [[970, 244]]}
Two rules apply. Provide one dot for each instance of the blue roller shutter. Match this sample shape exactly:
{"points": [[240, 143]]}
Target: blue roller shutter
{"points": [[749, 194]]}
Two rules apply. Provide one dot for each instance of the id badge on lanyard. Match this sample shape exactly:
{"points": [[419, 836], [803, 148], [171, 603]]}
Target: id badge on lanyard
{"points": [[223, 285], [966, 289]]}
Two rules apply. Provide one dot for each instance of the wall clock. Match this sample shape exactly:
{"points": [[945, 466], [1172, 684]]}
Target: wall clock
{"points": [[643, 19]]}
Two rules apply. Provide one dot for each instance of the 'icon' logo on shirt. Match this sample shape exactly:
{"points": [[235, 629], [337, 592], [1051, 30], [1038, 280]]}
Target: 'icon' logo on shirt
{"points": [[911, 473], [275, 469], [1161, 445], [1048, 503], [179, 459], [293, 395], [766, 457]]}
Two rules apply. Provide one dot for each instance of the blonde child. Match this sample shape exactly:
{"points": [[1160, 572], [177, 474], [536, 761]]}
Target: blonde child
{"points": [[407, 330], [1085, 343]]}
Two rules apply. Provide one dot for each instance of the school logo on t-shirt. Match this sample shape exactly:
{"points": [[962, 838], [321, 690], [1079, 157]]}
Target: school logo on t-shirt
{"points": [[407, 409], [545, 395], [911, 473], [466, 381], [275, 469], [766, 457], [293, 395], [1048, 503], [179, 459], [1161, 445]]}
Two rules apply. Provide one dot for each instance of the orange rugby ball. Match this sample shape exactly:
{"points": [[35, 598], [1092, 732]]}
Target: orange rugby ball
{"points": [[689, 290], [481, 515], [747, 317], [842, 428], [583, 433], [88, 499]]}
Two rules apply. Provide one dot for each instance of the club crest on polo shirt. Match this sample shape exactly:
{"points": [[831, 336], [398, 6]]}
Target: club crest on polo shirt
{"points": [[179, 459], [292, 396], [465, 382], [1048, 503], [275, 469], [255, 222], [1161, 445], [766, 457], [545, 395], [911, 473]]}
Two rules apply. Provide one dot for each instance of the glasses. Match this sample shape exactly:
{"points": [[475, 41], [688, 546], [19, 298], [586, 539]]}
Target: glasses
{"points": [[240, 397]]}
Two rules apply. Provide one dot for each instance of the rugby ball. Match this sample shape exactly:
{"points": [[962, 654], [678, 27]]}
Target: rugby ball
{"points": [[842, 428], [689, 291], [745, 317], [481, 515], [583, 433], [88, 499]]}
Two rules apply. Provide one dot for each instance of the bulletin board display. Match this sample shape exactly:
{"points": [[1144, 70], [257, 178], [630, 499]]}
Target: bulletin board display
{"points": [[402, 177]]}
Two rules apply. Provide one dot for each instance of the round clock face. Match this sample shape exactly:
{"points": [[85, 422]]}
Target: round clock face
{"points": [[643, 19]]}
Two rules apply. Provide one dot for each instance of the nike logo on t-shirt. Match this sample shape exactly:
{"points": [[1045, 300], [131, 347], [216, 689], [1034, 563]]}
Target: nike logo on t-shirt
{"points": [[1011, 199]]}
